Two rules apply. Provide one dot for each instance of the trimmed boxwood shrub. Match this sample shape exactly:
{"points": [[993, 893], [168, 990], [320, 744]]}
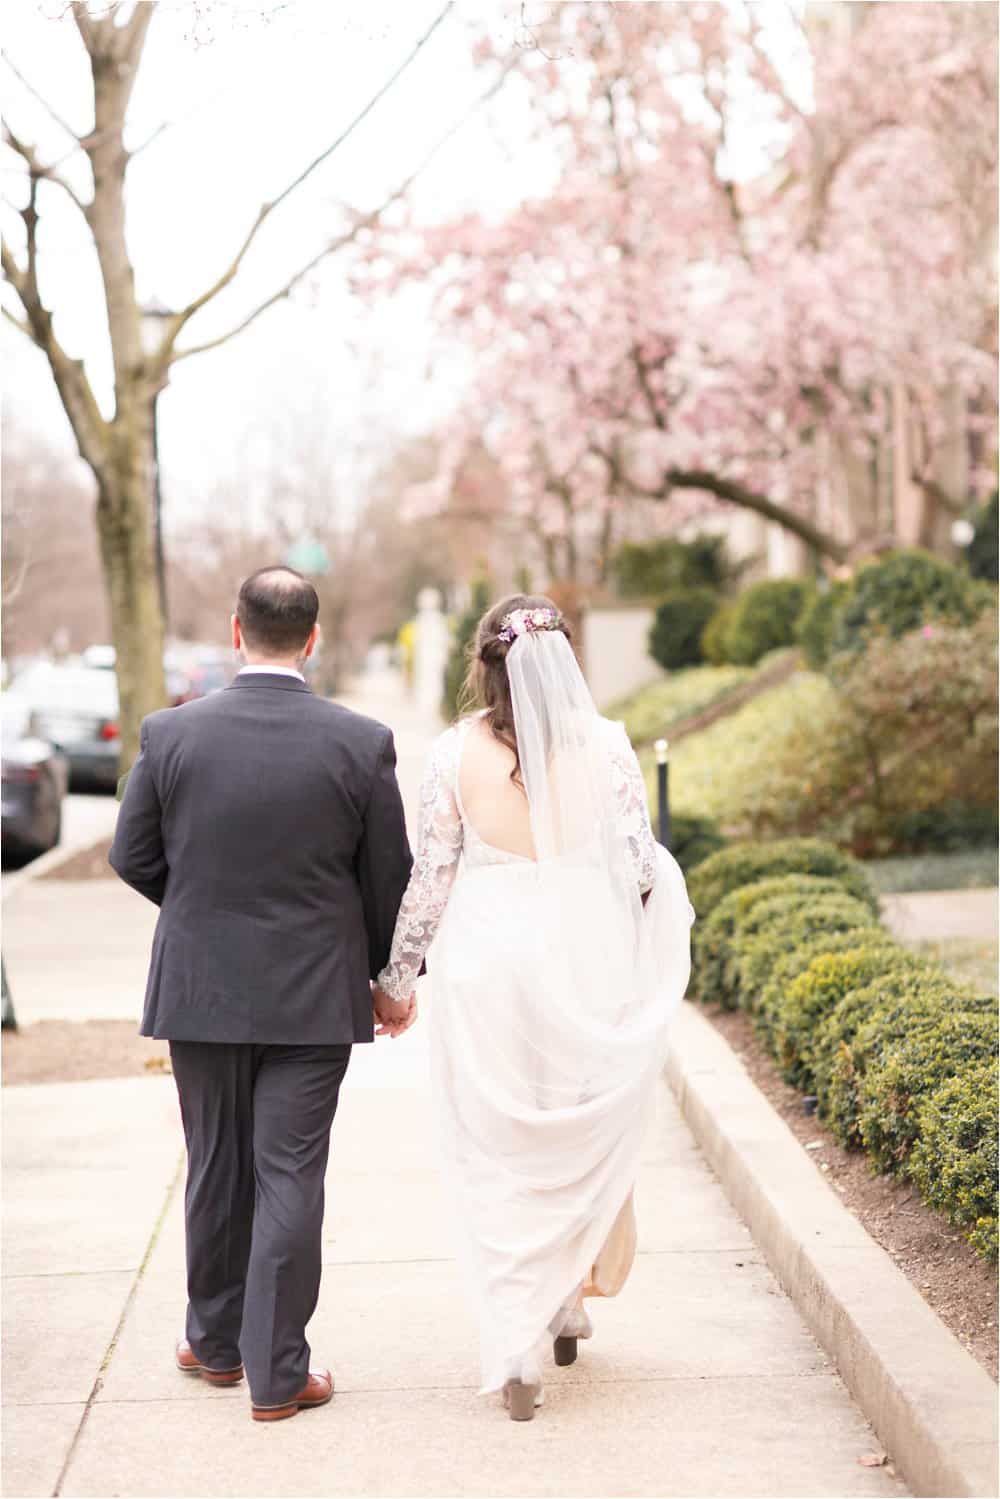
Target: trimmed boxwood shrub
{"points": [[712, 947], [715, 636], [902, 591], [694, 839], [766, 617], [817, 622], [774, 926], [810, 997], [676, 631], [743, 863], [954, 1162], [899, 1063], [789, 965], [898, 1000]]}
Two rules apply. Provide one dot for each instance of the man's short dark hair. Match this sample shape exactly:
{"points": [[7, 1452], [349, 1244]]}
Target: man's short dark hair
{"points": [[277, 609]]}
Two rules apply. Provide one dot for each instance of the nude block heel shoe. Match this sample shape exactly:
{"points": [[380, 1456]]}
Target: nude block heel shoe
{"points": [[564, 1350], [521, 1399]]}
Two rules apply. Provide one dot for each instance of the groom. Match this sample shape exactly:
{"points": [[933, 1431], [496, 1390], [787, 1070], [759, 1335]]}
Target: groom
{"points": [[266, 823]]}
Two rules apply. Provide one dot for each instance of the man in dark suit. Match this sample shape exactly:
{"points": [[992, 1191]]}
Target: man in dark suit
{"points": [[266, 823]]}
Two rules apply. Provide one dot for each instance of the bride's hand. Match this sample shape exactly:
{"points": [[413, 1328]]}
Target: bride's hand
{"points": [[394, 1016]]}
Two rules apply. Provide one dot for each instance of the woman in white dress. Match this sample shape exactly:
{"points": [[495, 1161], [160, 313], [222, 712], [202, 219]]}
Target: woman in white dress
{"points": [[561, 950]]}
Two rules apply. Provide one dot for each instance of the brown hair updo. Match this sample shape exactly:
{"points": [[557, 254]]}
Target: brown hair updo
{"points": [[487, 685]]}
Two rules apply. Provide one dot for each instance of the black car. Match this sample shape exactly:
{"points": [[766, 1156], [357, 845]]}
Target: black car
{"points": [[75, 709], [34, 781]]}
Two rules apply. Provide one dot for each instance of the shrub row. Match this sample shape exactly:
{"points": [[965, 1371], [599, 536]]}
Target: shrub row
{"points": [[901, 1058]]}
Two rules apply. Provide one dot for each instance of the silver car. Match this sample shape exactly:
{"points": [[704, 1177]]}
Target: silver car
{"points": [[75, 708]]}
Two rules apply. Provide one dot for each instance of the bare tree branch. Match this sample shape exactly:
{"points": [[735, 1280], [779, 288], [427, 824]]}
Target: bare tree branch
{"points": [[19, 323], [40, 99], [267, 209], [37, 170], [366, 221]]}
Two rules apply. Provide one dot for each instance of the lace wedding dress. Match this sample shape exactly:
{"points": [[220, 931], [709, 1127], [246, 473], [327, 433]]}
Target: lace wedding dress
{"points": [[551, 987]]}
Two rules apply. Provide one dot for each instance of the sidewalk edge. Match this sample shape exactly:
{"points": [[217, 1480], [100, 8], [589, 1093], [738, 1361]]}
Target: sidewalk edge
{"points": [[45, 863], [933, 1407]]}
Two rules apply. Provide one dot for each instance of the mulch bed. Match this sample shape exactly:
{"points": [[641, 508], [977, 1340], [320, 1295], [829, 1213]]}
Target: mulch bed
{"points": [[959, 1286], [76, 1051], [88, 864]]}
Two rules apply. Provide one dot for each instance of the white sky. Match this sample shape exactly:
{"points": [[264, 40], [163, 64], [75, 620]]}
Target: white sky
{"points": [[255, 93]]}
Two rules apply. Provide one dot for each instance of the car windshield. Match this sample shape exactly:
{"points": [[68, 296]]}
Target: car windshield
{"points": [[72, 688]]}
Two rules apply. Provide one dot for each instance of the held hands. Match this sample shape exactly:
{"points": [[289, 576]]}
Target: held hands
{"points": [[394, 1016]]}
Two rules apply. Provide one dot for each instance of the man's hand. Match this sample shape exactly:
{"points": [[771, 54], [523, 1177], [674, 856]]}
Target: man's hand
{"points": [[394, 1016]]}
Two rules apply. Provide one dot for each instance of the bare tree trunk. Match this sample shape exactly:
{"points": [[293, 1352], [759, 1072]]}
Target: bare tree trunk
{"points": [[123, 515]]}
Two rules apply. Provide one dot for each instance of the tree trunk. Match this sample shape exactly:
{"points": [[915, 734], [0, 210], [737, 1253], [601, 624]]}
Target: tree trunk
{"points": [[123, 525]]}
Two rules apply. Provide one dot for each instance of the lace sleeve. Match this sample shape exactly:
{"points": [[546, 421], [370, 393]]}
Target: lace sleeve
{"points": [[633, 809], [439, 845]]}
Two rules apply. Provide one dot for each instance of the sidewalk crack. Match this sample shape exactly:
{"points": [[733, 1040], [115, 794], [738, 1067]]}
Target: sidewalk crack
{"points": [[109, 1352]]}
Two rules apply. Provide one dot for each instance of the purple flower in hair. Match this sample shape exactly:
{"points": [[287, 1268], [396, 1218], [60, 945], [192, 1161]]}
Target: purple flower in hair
{"points": [[527, 622]]}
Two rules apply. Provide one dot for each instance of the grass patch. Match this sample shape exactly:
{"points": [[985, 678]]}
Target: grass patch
{"points": [[656, 709]]}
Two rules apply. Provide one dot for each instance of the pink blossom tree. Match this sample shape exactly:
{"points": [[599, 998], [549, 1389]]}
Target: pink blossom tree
{"points": [[759, 232]]}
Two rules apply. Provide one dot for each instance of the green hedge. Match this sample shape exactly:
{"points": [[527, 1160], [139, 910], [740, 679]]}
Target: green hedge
{"points": [[901, 592], [693, 840], [712, 940], [777, 925], [715, 636], [810, 997], [766, 617], [676, 631], [902, 1058], [954, 1161], [743, 863]]}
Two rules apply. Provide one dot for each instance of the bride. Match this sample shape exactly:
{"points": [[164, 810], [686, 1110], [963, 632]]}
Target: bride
{"points": [[561, 950]]}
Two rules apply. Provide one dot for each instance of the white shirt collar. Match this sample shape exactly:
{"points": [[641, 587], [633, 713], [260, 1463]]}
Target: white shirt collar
{"points": [[271, 671]]}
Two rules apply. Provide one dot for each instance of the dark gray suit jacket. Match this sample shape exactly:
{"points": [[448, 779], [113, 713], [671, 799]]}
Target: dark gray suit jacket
{"points": [[266, 823]]}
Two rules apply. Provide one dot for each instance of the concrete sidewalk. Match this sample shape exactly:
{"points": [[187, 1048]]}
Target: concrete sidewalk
{"points": [[701, 1379]]}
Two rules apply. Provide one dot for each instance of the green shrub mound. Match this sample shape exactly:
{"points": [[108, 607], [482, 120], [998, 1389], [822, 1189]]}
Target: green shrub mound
{"points": [[744, 863], [693, 840], [983, 554], [678, 625], [898, 1001], [901, 1062], [817, 622], [954, 1162], [462, 643], [712, 950], [715, 636], [902, 1057], [807, 999], [766, 617], [788, 965], [644, 569], [901, 592], [777, 925], [953, 825]]}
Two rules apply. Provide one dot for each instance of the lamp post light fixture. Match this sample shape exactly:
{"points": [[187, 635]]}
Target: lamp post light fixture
{"points": [[662, 750], [151, 329], [962, 532]]}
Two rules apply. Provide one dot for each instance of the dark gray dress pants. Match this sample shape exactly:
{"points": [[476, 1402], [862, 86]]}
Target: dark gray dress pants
{"points": [[257, 1124]]}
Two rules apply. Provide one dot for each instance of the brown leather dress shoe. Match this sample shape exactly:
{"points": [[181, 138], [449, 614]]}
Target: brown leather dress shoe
{"points": [[187, 1362], [318, 1391]]}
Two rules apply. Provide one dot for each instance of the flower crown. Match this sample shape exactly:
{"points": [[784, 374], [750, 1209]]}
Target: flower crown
{"points": [[528, 622]]}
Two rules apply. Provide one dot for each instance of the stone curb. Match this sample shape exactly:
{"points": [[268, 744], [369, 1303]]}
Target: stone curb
{"points": [[933, 1407]]}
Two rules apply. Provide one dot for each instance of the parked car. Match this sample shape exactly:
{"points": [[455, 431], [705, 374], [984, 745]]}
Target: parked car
{"points": [[75, 708], [196, 671], [34, 781]]}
